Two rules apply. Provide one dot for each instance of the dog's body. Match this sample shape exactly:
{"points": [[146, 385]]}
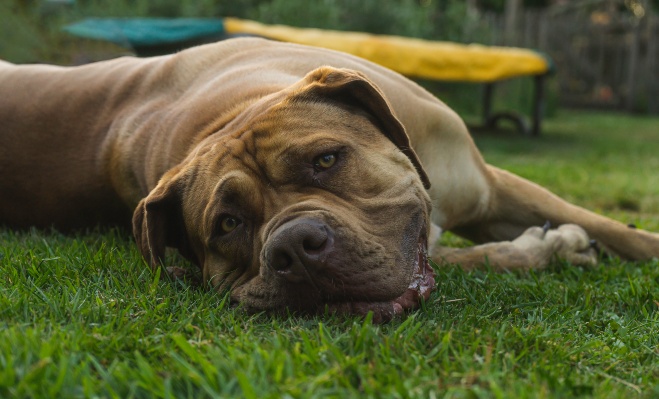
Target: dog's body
{"points": [[283, 171]]}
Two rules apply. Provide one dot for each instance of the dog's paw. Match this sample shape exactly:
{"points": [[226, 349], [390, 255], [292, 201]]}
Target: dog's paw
{"points": [[568, 242], [574, 245]]}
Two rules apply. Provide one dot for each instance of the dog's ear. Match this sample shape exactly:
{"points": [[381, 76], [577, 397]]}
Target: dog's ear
{"points": [[158, 222], [352, 87]]}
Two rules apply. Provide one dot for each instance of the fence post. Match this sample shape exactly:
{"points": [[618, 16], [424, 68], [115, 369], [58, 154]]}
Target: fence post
{"points": [[633, 66], [652, 75], [510, 23]]}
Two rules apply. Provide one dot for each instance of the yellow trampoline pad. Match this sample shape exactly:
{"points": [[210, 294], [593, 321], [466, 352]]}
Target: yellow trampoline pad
{"points": [[409, 56]]}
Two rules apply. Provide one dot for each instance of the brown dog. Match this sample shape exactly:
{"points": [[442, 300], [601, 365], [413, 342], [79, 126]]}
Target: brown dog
{"points": [[285, 172]]}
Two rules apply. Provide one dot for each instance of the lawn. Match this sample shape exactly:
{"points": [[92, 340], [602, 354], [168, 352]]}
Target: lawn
{"points": [[80, 316]]}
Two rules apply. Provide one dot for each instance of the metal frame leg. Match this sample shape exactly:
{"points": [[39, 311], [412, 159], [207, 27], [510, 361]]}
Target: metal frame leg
{"points": [[490, 120], [538, 104]]}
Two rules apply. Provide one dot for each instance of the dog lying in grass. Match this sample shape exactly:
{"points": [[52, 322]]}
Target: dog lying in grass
{"points": [[295, 177]]}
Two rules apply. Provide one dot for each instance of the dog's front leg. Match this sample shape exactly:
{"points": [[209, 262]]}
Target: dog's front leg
{"points": [[534, 249]]}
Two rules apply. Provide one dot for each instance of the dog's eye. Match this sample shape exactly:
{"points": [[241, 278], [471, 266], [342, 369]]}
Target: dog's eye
{"points": [[228, 224], [325, 161]]}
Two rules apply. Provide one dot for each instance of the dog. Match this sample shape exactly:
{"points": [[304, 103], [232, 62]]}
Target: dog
{"points": [[295, 177]]}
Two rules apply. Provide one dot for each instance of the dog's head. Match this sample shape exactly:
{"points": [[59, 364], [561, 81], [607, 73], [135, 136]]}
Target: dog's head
{"points": [[309, 198]]}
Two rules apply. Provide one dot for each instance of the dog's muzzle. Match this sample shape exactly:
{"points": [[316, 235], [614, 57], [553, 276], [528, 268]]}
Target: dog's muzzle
{"points": [[301, 253]]}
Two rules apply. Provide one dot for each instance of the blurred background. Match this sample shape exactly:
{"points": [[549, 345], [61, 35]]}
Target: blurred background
{"points": [[605, 51]]}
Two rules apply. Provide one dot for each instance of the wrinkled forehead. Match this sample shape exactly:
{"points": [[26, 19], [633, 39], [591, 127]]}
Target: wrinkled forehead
{"points": [[294, 131], [302, 119], [238, 189], [274, 146], [220, 176]]}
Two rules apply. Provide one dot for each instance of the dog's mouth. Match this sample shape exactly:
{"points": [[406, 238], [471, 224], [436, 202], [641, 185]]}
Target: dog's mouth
{"points": [[309, 300], [419, 290]]}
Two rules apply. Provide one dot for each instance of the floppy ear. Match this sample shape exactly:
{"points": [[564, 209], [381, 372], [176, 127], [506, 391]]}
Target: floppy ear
{"points": [[352, 87], [158, 223]]}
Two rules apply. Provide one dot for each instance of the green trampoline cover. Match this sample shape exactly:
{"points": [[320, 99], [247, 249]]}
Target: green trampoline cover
{"points": [[140, 32]]}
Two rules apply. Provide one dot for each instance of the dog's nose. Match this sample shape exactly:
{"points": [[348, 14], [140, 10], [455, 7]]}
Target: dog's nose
{"points": [[299, 248]]}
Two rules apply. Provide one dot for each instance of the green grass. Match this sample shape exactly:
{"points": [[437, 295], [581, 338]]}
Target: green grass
{"points": [[80, 316]]}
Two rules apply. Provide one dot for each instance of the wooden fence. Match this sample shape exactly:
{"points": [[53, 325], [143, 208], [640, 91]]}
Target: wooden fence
{"points": [[606, 54]]}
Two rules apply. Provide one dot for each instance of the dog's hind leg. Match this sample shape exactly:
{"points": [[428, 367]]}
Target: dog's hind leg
{"points": [[515, 204]]}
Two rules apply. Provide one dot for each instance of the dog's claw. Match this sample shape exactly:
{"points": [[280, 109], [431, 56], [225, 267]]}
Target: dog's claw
{"points": [[546, 226]]}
